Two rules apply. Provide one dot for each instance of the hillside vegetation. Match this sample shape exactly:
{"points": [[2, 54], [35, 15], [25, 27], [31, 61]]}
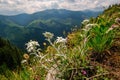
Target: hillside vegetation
{"points": [[91, 52]]}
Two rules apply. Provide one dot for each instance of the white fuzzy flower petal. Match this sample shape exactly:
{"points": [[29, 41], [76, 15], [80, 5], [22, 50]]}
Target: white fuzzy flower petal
{"points": [[86, 21], [31, 45], [61, 40], [48, 35]]}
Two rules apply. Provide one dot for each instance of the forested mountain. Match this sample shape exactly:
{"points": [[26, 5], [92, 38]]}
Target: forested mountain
{"points": [[90, 52], [23, 27], [10, 56]]}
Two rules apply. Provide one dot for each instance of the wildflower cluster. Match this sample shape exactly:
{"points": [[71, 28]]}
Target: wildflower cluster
{"points": [[59, 60], [61, 40], [63, 56], [32, 45], [86, 21], [117, 20], [111, 28], [90, 25], [48, 35]]}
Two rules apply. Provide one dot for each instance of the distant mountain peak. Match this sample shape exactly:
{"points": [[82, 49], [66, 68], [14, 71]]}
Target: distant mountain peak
{"points": [[23, 27]]}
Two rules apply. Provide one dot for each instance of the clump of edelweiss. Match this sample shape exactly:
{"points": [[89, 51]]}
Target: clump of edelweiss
{"points": [[32, 45], [86, 21], [89, 26], [48, 35], [117, 20], [61, 40]]}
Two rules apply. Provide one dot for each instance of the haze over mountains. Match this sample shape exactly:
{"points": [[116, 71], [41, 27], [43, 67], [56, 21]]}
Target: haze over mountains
{"points": [[21, 28]]}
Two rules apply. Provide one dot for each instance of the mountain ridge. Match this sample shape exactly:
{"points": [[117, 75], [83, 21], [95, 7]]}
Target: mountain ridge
{"points": [[46, 14], [21, 28]]}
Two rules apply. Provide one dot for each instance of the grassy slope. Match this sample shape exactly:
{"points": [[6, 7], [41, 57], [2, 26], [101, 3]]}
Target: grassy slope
{"points": [[111, 58]]}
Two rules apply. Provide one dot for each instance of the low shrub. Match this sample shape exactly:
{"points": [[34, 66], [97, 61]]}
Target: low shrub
{"points": [[10, 55]]}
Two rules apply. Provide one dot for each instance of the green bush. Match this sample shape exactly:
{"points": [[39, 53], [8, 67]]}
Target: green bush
{"points": [[101, 36], [9, 55]]}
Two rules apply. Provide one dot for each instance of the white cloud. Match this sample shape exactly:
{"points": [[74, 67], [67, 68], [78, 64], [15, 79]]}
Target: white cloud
{"points": [[30, 6]]}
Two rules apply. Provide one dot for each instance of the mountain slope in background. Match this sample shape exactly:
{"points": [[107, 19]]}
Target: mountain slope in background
{"points": [[61, 14], [21, 28]]}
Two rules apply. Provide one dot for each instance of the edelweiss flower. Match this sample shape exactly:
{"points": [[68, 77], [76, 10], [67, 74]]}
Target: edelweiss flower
{"points": [[31, 45], [61, 40], [86, 21], [48, 35], [90, 25], [117, 20], [112, 27]]}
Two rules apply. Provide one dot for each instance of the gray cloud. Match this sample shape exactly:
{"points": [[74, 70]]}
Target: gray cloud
{"points": [[9, 7], [54, 5], [70, 0]]}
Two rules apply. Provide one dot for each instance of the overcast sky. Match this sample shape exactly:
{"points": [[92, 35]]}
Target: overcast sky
{"points": [[12, 7]]}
